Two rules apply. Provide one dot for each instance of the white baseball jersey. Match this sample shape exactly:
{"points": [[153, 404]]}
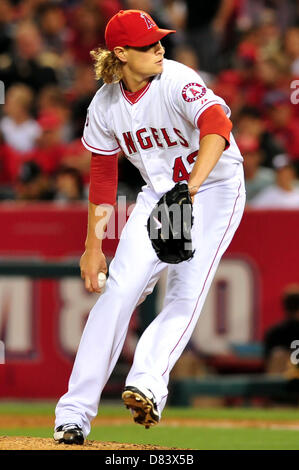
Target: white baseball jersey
{"points": [[158, 133]]}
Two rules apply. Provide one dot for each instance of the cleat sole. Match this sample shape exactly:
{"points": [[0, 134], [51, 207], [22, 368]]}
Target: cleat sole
{"points": [[142, 407]]}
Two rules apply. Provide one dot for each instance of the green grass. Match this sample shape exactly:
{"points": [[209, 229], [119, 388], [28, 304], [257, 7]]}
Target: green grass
{"points": [[27, 408], [30, 432], [200, 438], [47, 408], [170, 436]]}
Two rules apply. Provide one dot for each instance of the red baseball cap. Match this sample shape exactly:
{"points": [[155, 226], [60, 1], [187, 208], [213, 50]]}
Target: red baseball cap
{"points": [[133, 28]]}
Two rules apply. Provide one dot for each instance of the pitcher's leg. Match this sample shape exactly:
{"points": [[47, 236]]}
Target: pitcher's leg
{"points": [[217, 214], [134, 266]]}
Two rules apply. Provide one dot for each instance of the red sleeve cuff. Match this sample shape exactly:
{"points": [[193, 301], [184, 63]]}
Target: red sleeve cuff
{"points": [[215, 121], [103, 179]]}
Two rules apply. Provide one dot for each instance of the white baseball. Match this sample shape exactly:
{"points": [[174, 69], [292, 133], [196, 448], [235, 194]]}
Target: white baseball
{"points": [[101, 279]]}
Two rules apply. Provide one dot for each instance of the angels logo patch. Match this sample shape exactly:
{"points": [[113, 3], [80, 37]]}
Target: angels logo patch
{"points": [[193, 92]]}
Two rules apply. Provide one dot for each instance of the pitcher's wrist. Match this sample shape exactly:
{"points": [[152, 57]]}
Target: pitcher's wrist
{"points": [[93, 245]]}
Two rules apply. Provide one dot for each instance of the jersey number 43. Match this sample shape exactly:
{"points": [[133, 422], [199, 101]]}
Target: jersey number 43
{"points": [[180, 172]]}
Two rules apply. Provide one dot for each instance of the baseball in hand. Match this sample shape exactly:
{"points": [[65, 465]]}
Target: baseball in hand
{"points": [[101, 280]]}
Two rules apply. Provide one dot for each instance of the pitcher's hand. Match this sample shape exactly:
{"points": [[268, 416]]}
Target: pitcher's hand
{"points": [[92, 262]]}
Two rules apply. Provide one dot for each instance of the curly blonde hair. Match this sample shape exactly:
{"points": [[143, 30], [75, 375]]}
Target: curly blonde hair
{"points": [[107, 66]]}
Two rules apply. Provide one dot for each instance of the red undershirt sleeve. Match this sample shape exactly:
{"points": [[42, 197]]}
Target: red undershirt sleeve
{"points": [[103, 179], [215, 121]]}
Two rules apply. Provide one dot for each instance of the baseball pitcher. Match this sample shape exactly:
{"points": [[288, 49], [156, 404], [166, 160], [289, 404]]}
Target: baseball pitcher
{"points": [[177, 132]]}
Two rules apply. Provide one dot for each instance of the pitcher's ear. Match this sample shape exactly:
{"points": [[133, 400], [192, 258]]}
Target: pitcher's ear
{"points": [[121, 53]]}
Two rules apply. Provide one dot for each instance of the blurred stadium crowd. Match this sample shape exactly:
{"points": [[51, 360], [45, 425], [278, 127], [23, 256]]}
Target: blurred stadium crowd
{"points": [[247, 51]]}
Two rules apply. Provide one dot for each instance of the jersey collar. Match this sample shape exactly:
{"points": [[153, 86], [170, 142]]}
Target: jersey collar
{"points": [[134, 97]]}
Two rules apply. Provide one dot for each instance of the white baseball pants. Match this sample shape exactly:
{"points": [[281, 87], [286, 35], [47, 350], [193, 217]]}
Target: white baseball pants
{"points": [[132, 275]]}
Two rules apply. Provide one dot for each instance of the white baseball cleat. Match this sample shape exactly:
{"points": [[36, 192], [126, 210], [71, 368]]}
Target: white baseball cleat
{"points": [[69, 433], [142, 404]]}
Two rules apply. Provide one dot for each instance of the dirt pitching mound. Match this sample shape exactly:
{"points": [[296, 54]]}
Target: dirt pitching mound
{"points": [[34, 443]]}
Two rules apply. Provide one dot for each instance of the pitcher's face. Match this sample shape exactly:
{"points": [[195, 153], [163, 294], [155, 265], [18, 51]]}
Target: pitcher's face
{"points": [[145, 61]]}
